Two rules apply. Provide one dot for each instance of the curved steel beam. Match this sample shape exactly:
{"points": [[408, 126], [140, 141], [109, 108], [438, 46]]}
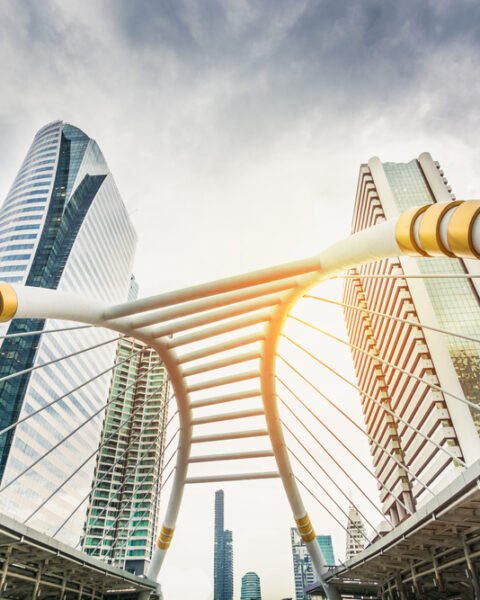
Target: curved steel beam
{"points": [[450, 229]]}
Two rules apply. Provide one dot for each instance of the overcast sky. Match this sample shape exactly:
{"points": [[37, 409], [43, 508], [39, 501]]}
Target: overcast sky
{"points": [[235, 131]]}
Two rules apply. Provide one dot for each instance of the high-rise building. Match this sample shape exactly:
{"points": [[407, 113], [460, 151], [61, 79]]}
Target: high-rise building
{"points": [[250, 587], [63, 226], [223, 553], [356, 536], [303, 569], [386, 350], [326, 546], [122, 516]]}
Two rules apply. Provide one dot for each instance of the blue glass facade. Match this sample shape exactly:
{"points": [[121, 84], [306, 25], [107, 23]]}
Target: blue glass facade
{"points": [[75, 235], [223, 554]]}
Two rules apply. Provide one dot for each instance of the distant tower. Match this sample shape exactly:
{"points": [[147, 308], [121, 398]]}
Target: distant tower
{"points": [[326, 546], [251, 587], [223, 554], [356, 536]]}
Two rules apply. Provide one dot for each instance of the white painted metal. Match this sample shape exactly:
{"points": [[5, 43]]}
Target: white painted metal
{"points": [[234, 435], [231, 456], [223, 347], [231, 325], [232, 477], [192, 308], [241, 414], [224, 362], [211, 383], [253, 393], [247, 301]]}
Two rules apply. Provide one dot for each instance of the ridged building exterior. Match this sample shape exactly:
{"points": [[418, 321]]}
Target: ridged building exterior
{"points": [[250, 589], [385, 351], [356, 535], [63, 226], [223, 553], [122, 517]]}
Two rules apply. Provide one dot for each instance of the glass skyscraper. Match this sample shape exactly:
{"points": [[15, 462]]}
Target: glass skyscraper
{"points": [[387, 350], [63, 226], [303, 569], [250, 589], [223, 554]]}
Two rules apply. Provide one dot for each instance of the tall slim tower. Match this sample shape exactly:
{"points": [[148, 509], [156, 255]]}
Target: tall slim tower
{"points": [[124, 504], [356, 536], [223, 554], [250, 587], [122, 516], [384, 191], [63, 226]]}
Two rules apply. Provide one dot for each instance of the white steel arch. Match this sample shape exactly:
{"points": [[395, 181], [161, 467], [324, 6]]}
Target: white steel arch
{"points": [[177, 319]]}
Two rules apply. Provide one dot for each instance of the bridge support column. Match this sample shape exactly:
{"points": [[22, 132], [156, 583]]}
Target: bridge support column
{"points": [[400, 587], [472, 571], [438, 575], [273, 330], [416, 587]]}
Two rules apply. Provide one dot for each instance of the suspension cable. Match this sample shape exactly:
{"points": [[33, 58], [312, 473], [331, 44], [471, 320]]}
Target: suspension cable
{"points": [[110, 469], [356, 425], [336, 462], [90, 418], [375, 401], [387, 363], [42, 331], [79, 387], [127, 472], [56, 360], [376, 313], [324, 490], [320, 502], [112, 434]]}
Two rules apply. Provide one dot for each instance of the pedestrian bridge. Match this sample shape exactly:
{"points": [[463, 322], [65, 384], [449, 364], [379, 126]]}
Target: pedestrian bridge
{"points": [[220, 342]]}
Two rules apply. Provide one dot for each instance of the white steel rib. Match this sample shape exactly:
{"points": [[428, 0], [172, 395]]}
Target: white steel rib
{"points": [[175, 323]]}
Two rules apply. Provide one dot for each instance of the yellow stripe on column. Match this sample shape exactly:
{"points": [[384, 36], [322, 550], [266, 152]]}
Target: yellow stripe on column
{"points": [[460, 229], [165, 537], [404, 231], [305, 528], [429, 228], [8, 302], [309, 537], [303, 521]]}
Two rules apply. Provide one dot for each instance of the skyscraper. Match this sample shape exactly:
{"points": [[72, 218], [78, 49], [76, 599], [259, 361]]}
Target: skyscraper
{"points": [[303, 570], [223, 554], [122, 517], [356, 536], [384, 347], [250, 587], [326, 546], [63, 226]]}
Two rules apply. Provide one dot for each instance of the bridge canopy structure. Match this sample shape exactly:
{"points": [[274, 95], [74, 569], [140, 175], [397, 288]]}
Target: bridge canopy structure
{"points": [[225, 335]]}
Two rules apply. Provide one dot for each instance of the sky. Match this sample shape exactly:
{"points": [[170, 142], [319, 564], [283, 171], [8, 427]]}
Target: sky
{"points": [[234, 130]]}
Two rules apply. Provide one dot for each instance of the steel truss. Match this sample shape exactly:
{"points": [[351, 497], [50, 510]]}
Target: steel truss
{"points": [[174, 322]]}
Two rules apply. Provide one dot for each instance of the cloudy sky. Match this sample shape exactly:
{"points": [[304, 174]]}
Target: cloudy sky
{"points": [[234, 130]]}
